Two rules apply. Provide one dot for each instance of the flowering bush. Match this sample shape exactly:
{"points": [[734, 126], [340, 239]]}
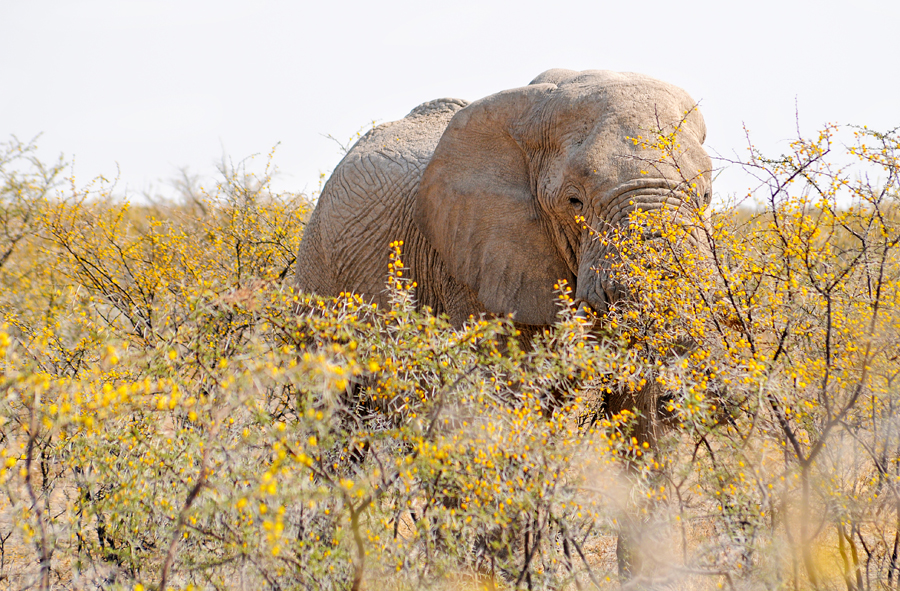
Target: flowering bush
{"points": [[175, 415]]}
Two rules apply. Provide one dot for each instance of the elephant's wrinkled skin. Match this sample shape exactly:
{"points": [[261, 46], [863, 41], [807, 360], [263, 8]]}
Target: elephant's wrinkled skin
{"points": [[485, 195], [486, 198]]}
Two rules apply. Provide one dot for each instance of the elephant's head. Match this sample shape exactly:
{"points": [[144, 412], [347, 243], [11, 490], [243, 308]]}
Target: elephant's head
{"points": [[512, 173]]}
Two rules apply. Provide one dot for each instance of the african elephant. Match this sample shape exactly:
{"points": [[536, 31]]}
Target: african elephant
{"points": [[493, 200], [486, 196]]}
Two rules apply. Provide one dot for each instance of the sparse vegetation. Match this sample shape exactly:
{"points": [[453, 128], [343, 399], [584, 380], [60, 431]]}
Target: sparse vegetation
{"points": [[174, 415]]}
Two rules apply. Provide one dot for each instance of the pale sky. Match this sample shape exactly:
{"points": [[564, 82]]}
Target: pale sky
{"points": [[152, 86]]}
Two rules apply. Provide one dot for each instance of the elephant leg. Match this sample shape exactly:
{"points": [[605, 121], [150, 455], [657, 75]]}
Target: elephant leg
{"points": [[628, 556], [645, 427]]}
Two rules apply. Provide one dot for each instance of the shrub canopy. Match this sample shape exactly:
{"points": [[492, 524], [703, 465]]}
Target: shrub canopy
{"points": [[174, 414]]}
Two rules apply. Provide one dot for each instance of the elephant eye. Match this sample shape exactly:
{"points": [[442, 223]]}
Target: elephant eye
{"points": [[576, 203]]}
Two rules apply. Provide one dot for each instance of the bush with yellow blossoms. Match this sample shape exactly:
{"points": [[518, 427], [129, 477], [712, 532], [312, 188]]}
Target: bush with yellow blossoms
{"points": [[173, 414]]}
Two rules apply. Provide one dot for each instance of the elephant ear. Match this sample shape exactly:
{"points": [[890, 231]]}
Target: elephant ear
{"points": [[477, 208]]}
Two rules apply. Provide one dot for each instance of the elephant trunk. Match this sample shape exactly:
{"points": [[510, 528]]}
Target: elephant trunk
{"points": [[599, 283], [595, 285]]}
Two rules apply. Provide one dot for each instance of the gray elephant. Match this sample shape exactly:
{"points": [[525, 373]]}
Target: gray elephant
{"points": [[492, 200], [487, 196]]}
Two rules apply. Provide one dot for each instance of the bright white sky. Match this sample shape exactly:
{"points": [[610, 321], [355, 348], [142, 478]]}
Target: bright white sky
{"points": [[152, 86]]}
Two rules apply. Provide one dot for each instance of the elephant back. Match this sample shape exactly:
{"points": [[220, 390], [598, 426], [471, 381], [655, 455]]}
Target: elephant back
{"points": [[367, 203]]}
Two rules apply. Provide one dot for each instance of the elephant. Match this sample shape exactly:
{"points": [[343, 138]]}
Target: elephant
{"points": [[493, 200]]}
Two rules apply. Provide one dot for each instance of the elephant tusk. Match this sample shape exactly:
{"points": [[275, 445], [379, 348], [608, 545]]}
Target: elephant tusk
{"points": [[584, 313]]}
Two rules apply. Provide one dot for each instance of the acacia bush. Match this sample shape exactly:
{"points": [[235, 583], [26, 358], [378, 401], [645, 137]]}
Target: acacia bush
{"points": [[175, 415]]}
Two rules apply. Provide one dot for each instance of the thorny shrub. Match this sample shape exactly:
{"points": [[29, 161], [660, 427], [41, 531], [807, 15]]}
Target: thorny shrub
{"points": [[175, 415]]}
